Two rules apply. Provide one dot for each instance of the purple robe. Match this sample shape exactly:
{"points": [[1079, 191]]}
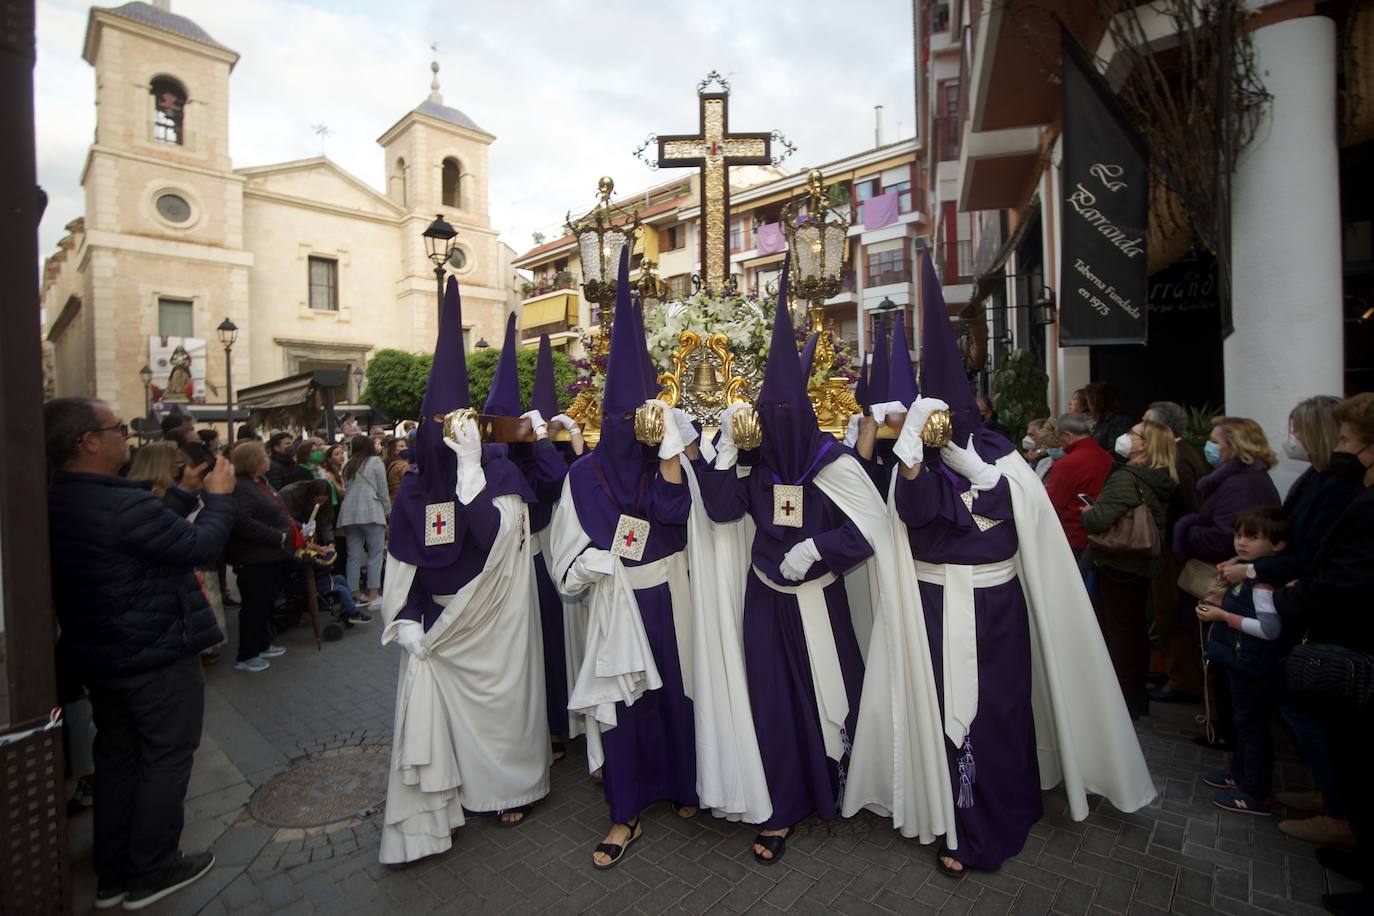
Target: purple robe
{"points": [[802, 780], [651, 752], [1006, 788], [544, 468]]}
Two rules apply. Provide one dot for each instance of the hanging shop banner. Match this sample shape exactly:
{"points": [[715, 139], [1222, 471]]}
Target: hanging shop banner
{"points": [[1104, 213]]}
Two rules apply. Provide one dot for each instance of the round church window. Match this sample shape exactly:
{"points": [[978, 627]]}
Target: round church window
{"points": [[173, 208], [457, 259]]}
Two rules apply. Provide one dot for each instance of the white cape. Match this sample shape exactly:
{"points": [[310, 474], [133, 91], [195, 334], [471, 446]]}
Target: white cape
{"points": [[1083, 733], [730, 777], [471, 728]]}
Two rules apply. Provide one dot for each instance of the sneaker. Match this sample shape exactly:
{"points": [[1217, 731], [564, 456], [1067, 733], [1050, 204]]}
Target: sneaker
{"points": [[253, 664], [272, 652], [1239, 801], [184, 871], [1319, 831], [107, 898], [1220, 779], [360, 617]]}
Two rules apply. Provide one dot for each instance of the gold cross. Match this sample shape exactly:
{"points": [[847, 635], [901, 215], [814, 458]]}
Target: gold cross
{"points": [[713, 150]]}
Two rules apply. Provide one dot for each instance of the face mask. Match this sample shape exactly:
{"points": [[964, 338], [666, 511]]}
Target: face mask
{"points": [[403, 454], [1295, 449], [1347, 466], [1123, 445], [1055, 453], [317, 457], [1212, 452], [1027, 443]]}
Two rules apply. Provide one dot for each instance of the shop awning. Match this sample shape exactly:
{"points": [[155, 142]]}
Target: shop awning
{"points": [[541, 312]]}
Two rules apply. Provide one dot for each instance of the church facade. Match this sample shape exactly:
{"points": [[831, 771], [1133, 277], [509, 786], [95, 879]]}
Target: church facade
{"points": [[316, 267]]}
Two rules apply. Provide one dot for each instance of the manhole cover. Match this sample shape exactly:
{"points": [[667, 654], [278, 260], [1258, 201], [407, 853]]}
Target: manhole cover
{"points": [[330, 786]]}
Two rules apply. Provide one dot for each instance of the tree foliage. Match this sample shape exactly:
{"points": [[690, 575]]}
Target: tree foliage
{"points": [[1018, 391], [396, 379]]}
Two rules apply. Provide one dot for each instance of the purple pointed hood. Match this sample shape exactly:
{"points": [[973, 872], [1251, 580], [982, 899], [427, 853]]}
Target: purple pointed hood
{"points": [[942, 368], [544, 398], [877, 376], [436, 467], [642, 335], [792, 440], [618, 459], [504, 398], [901, 378], [808, 354], [861, 386]]}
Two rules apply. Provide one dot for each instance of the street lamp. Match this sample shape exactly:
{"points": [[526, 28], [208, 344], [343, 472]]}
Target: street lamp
{"points": [[819, 245], [1042, 311], [439, 237], [482, 343], [228, 333], [599, 243], [145, 375]]}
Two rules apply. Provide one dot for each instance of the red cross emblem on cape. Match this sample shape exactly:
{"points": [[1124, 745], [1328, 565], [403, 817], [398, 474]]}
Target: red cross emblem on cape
{"points": [[631, 536], [440, 523]]}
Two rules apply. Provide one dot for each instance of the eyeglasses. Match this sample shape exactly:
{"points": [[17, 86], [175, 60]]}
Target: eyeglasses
{"points": [[122, 427]]}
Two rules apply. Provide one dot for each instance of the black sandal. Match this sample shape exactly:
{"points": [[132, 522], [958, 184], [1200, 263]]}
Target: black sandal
{"points": [[947, 870], [523, 811], [616, 851], [774, 845]]}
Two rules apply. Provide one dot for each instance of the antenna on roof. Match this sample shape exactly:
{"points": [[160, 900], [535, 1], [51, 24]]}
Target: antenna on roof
{"points": [[323, 132], [434, 95]]}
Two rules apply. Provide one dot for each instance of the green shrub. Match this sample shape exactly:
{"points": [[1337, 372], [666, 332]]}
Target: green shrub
{"points": [[1018, 392], [396, 380]]}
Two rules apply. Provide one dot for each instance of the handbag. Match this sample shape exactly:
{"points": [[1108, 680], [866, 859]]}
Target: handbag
{"points": [[1134, 534], [1197, 579], [1319, 672]]}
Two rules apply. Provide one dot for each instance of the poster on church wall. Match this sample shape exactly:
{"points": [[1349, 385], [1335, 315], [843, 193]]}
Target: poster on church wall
{"points": [[178, 365], [1104, 213]]}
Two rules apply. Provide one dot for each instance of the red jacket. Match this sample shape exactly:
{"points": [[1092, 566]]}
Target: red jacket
{"points": [[1083, 469]]}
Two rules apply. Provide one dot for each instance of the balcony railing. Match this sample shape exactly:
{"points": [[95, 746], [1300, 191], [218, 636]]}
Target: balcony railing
{"points": [[947, 138], [553, 327], [549, 283]]}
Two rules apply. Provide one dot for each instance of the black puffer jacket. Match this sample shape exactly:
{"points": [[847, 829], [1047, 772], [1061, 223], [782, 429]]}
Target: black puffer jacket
{"points": [[123, 571], [258, 529]]}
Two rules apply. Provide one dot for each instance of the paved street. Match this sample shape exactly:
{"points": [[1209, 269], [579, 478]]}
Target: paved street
{"points": [[1181, 855]]}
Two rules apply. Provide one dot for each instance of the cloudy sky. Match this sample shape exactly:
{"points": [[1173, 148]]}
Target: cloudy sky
{"points": [[569, 87]]}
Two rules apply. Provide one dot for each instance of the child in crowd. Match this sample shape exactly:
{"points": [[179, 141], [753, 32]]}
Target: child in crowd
{"points": [[1243, 639]]}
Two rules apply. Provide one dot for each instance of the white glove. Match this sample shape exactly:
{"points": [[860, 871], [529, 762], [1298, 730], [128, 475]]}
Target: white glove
{"points": [[966, 461], [541, 429], [410, 635], [881, 411], [672, 444], [566, 422], [685, 429], [468, 447], [308, 529], [797, 562], [727, 453], [590, 566], [851, 432], [909, 448]]}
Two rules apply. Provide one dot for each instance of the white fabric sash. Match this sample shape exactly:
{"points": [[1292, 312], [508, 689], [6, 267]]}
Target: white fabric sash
{"points": [[960, 646], [832, 702]]}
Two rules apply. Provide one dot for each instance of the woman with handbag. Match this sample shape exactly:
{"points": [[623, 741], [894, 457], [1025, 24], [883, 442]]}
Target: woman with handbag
{"points": [[259, 546], [1125, 532], [1332, 672], [363, 515]]}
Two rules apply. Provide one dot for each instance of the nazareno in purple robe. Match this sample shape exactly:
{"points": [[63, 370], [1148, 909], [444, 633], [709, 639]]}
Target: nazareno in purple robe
{"points": [[802, 780], [1006, 797], [651, 751], [545, 467]]}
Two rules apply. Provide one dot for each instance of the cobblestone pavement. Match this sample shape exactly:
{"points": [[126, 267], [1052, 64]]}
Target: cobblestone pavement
{"points": [[1180, 855]]}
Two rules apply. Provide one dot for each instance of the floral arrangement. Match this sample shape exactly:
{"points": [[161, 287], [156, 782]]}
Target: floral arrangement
{"points": [[746, 320]]}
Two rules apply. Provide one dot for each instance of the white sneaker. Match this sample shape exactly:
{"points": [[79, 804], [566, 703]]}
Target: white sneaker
{"points": [[253, 664], [272, 652]]}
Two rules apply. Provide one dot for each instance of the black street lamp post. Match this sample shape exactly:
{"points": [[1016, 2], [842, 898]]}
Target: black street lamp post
{"points": [[145, 375], [439, 237], [228, 332]]}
